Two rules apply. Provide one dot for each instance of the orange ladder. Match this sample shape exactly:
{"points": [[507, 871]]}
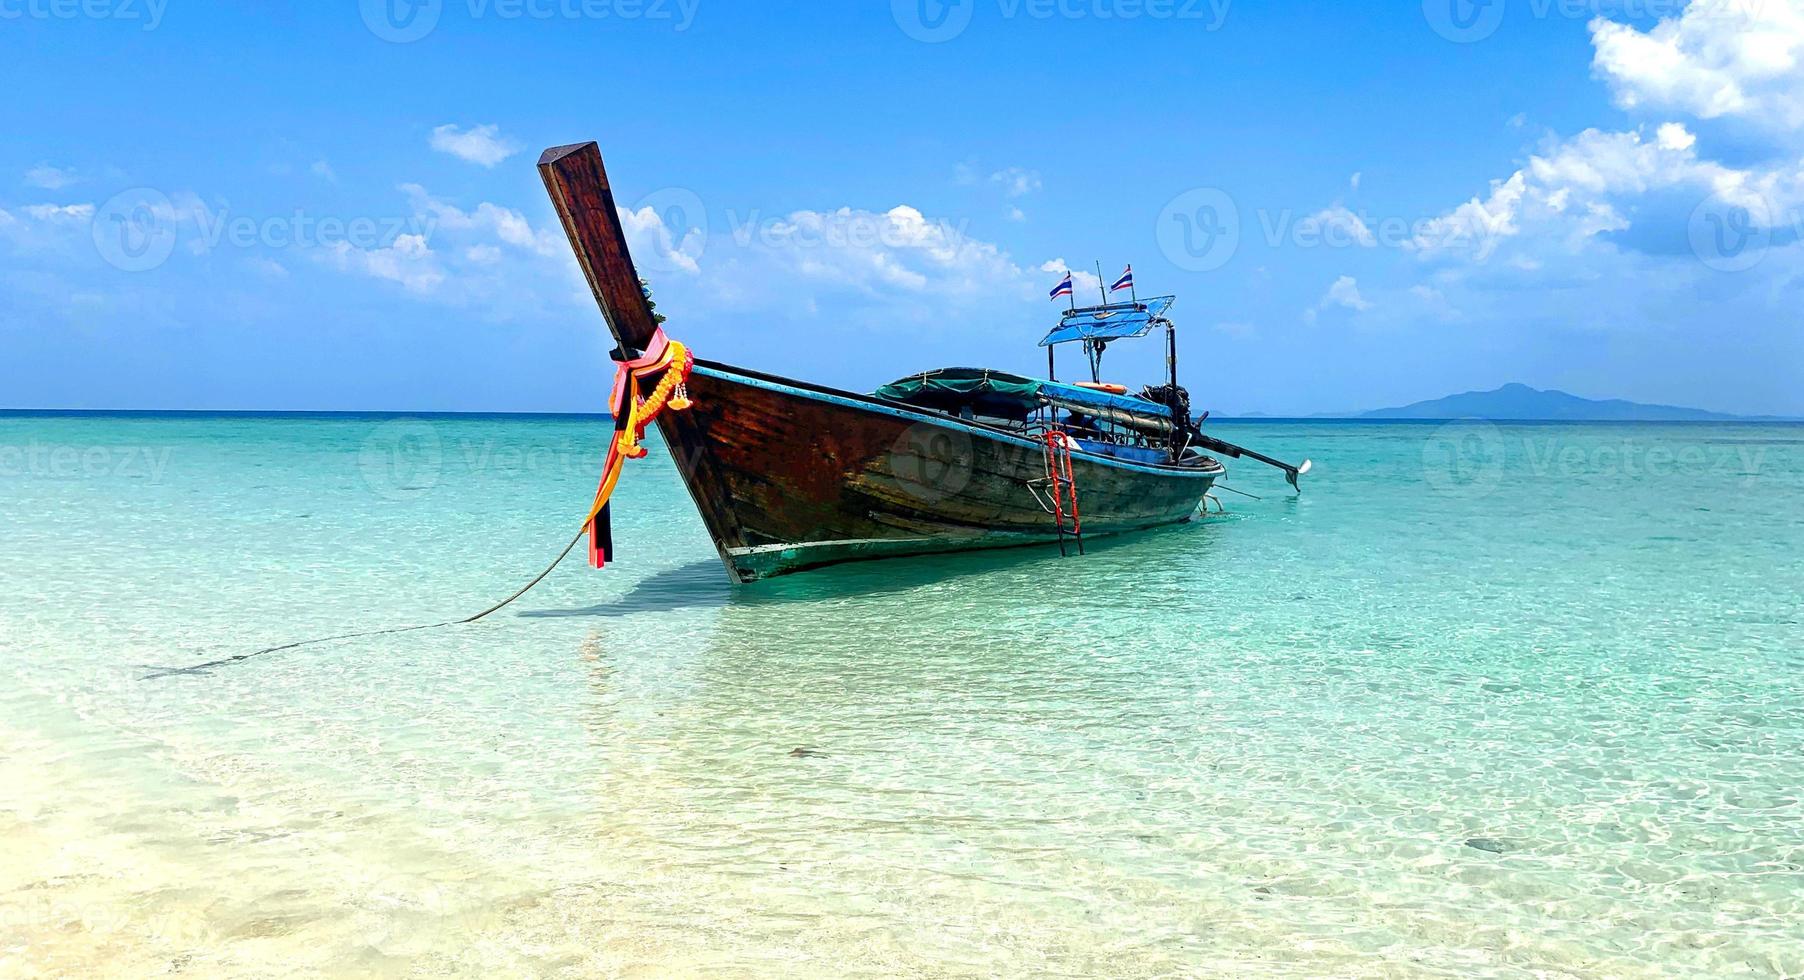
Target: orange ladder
{"points": [[1063, 483]]}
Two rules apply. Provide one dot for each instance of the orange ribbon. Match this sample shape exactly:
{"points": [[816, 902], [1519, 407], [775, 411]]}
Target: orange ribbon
{"points": [[671, 363]]}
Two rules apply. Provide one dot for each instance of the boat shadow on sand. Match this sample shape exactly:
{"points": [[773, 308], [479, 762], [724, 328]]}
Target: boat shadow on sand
{"points": [[702, 585]]}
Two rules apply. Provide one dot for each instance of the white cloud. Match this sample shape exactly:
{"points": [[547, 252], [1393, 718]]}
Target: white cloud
{"points": [[323, 170], [79, 213], [50, 178], [1573, 190], [1434, 303], [899, 250], [481, 145], [1016, 214], [1338, 227], [489, 259], [1717, 58], [268, 267], [1353, 181], [1589, 196], [1016, 182], [506, 225], [872, 267], [1083, 283], [649, 238], [1344, 294], [409, 261]]}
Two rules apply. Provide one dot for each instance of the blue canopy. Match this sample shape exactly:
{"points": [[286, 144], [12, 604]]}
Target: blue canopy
{"points": [[1069, 396], [1113, 322]]}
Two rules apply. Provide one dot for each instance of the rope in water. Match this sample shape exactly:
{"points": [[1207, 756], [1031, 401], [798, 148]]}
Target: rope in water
{"points": [[665, 360], [1243, 493], [159, 672]]}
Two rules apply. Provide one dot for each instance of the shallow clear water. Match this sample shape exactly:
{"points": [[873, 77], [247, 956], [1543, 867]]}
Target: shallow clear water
{"points": [[1485, 700]]}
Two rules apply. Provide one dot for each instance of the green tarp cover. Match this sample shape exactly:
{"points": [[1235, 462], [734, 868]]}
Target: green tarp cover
{"points": [[994, 393], [999, 394]]}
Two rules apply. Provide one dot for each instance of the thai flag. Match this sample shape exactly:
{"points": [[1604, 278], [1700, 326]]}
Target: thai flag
{"points": [[1125, 282], [1063, 288]]}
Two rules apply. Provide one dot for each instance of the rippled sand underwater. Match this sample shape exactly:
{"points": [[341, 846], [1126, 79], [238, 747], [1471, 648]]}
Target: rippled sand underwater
{"points": [[1485, 701]]}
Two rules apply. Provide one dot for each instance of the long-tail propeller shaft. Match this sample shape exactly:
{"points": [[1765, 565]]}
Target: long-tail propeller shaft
{"points": [[1291, 473]]}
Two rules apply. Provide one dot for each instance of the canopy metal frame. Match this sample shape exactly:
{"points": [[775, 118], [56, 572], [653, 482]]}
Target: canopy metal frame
{"points": [[1096, 326]]}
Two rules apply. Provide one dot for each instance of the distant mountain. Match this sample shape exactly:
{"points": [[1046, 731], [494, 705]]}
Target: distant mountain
{"points": [[1522, 403]]}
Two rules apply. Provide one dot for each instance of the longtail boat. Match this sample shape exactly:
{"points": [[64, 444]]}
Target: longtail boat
{"points": [[790, 475]]}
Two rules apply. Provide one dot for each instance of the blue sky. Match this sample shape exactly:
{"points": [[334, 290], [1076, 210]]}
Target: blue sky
{"points": [[286, 205]]}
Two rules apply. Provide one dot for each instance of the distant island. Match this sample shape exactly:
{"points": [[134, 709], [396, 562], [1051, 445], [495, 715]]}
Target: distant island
{"points": [[1520, 403]]}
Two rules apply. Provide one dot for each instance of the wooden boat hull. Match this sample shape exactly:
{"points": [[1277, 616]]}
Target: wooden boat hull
{"points": [[790, 476]]}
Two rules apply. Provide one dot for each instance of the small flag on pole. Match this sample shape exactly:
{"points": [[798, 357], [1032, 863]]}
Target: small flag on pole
{"points": [[1125, 282], [1063, 288]]}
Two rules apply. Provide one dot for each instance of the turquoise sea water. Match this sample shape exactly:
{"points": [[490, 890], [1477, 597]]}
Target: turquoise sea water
{"points": [[1485, 701]]}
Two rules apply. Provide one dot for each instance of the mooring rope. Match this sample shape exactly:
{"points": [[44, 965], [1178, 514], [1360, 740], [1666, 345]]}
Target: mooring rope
{"points": [[1243, 493], [667, 360], [160, 672]]}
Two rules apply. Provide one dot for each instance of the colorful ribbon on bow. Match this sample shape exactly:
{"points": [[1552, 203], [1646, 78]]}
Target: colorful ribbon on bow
{"points": [[668, 361]]}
